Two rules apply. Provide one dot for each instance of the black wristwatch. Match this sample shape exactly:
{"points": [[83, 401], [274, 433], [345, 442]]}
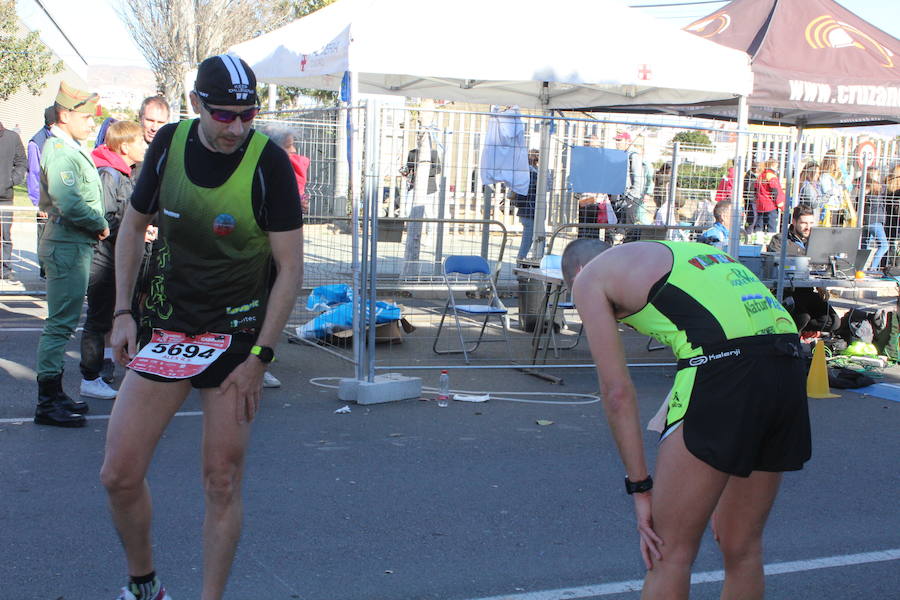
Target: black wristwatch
{"points": [[263, 353], [638, 487]]}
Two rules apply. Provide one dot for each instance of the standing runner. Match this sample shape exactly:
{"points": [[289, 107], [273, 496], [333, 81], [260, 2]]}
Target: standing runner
{"points": [[736, 416], [229, 220]]}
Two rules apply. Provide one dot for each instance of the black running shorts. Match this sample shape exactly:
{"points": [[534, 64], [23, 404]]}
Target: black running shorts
{"points": [[747, 410], [218, 371]]}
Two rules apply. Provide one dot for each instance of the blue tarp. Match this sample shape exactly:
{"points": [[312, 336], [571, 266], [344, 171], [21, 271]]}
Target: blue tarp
{"points": [[335, 301], [325, 296], [887, 391]]}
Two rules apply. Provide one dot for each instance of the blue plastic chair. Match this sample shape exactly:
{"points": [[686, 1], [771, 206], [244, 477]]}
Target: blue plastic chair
{"points": [[478, 269], [554, 261]]}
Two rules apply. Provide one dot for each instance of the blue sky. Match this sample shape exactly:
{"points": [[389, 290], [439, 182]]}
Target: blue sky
{"points": [[101, 38]]}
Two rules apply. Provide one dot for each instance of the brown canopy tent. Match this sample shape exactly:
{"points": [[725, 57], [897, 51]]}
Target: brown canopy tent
{"points": [[815, 64]]}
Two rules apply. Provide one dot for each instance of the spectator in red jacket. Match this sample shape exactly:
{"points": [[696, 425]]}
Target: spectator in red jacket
{"points": [[300, 163], [769, 197], [726, 184]]}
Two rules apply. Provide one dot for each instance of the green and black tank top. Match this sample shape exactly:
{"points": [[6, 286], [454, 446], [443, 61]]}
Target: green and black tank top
{"points": [[213, 262], [708, 298]]}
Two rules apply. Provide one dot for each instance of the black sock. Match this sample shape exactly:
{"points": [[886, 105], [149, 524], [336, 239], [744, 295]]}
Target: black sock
{"points": [[142, 586]]}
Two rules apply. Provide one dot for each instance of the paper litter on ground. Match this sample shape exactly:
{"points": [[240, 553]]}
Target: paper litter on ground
{"points": [[472, 397]]}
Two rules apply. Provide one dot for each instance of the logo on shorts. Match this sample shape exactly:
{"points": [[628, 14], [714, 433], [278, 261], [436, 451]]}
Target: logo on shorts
{"points": [[703, 359], [224, 224]]}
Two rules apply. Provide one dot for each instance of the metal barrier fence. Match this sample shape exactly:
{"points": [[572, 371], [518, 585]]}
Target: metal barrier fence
{"points": [[422, 219], [18, 259], [423, 165], [409, 270]]}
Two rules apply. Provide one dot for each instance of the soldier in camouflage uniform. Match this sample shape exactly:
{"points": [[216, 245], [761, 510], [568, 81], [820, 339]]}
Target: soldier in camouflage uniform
{"points": [[72, 196]]}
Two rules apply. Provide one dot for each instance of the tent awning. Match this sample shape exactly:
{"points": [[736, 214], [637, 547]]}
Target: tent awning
{"points": [[814, 62], [500, 52]]}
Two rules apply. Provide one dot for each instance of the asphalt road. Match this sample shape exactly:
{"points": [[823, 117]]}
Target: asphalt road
{"points": [[410, 501]]}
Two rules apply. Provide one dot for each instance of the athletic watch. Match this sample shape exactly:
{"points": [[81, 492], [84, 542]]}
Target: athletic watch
{"points": [[638, 487], [263, 353]]}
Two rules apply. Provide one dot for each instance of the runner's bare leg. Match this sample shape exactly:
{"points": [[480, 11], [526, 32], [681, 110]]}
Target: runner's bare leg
{"points": [[139, 416], [224, 446], [740, 518], [685, 492]]}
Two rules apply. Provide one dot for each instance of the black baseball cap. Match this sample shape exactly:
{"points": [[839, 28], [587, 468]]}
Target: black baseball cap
{"points": [[226, 80]]}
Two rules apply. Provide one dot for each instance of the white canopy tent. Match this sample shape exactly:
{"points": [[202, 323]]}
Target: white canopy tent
{"points": [[500, 52], [566, 54], [559, 55]]}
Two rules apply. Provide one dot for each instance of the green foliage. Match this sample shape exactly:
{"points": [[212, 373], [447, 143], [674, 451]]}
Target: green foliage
{"points": [[26, 61], [691, 176], [693, 138], [304, 7], [287, 96]]}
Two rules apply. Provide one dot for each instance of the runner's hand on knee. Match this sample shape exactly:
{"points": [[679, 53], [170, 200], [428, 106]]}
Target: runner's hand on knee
{"points": [[246, 381], [650, 542]]}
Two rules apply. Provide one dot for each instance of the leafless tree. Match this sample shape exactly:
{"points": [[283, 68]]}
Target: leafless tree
{"points": [[176, 35]]}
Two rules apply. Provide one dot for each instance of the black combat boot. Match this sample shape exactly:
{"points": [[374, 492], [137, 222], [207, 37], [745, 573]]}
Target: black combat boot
{"points": [[76, 406], [56, 408]]}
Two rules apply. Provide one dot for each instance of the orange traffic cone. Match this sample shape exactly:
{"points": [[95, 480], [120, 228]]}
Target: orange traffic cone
{"points": [[817, 380]]}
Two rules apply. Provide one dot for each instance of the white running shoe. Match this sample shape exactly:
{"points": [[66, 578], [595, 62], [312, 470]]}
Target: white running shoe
{"points": [[97, 388], [128, 595], [270, 381]]}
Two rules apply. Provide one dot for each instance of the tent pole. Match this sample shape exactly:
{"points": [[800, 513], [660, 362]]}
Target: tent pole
{"points": [[538, 242], [737, 190], [673, 187], [373, 178], [788, 207], [273, 97], [352, 86]]}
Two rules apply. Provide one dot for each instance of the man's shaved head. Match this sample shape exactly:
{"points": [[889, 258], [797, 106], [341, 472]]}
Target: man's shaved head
{"points": [[579, 253]]}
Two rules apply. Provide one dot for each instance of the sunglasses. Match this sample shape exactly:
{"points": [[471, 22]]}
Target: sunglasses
{"points": [[227, 116]]}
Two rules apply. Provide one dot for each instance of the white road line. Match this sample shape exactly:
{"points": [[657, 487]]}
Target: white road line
{"points": [[635, 585], [190, 413]]}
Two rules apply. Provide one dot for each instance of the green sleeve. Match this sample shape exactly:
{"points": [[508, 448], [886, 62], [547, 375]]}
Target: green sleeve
{"points": [[65, 183]]}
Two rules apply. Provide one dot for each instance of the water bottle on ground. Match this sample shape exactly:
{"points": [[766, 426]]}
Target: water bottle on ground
{"points": [[443, 389]]}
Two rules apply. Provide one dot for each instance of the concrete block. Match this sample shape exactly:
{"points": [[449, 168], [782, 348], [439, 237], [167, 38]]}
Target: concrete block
{"points": [[389, 387], [347, 388]]}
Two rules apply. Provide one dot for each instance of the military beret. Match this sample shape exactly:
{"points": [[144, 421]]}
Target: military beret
{"points": [[77, 100]]}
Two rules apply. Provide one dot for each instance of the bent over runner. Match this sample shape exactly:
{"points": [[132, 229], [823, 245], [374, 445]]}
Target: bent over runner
{"points": [[735, 419]]}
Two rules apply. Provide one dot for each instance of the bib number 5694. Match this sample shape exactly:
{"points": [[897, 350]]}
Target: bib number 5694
{"points": [[185, 350]]}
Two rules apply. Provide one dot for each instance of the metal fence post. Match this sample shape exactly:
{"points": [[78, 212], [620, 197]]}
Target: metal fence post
{"points": [[442, 207], [485, 231], [673, 184], [373, 179]]}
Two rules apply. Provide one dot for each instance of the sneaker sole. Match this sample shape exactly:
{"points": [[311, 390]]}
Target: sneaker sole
{"points": [[97, 396], [66, 424]]}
